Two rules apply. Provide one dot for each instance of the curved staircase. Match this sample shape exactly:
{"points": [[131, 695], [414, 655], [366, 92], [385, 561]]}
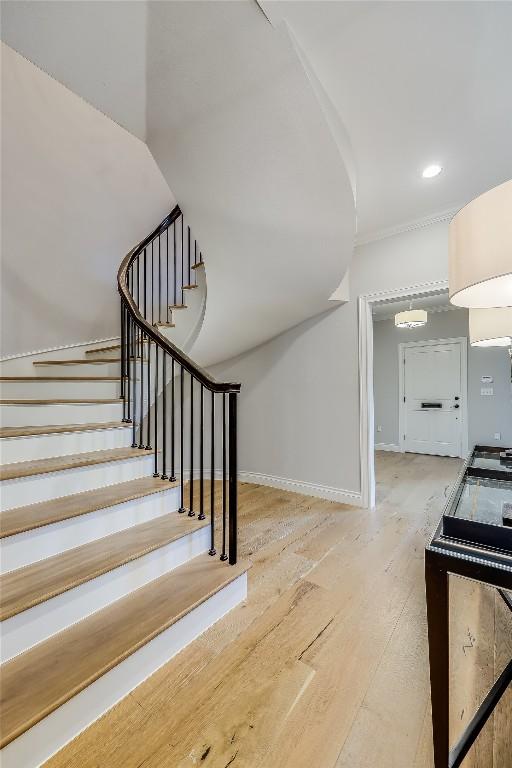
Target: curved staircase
{"points": [[106, 569]]}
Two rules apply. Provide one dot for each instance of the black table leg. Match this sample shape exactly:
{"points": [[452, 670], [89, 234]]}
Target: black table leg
{"points": [[436, 582]]}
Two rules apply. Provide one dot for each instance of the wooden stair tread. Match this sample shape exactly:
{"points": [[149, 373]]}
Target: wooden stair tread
{"points": [[74, 460], [165, 325], [187, 287], [38, 582], [19, 519], [178, 306], [60, 378], [61, 401], [43, 678], [50, 429], [81, 361], [199, 264]]}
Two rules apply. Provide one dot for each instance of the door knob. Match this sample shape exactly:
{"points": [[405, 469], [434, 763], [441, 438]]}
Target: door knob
{"points": [[456, 397], [456, 405]]}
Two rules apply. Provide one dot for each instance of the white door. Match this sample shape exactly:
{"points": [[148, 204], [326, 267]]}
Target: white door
{"points": [[432, 407]]}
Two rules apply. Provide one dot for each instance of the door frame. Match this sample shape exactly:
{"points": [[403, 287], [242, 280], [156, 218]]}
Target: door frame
{"points": [[365, 303], [462, 340]]}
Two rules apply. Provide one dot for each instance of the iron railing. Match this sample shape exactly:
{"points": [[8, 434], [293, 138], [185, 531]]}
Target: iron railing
{"points": [[176, 408]]}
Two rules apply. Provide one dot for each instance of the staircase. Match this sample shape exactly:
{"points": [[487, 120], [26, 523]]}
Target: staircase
{"points": [[106, 569]]}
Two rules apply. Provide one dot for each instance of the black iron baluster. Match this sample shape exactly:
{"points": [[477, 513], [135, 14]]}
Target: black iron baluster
{"points": [[159, 280], [212, 551], [133, 363], [138, 283], [223, 555], [148, 443], [189, 263], [139, 358], [164, 415], [182, 471], [128, 366], [123, 359], [173, 434], [175, 278], [201, 456], [233, 480], [191, 512], [145, 287], [155, 420], [152, 282], [182, 276], [167, 261]]}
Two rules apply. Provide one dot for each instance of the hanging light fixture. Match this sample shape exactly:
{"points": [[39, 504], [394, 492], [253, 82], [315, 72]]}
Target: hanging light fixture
{"points": [[490, 327], [481, 251], [411, 318]]}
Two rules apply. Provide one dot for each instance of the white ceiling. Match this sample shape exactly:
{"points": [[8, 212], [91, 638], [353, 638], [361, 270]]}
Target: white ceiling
{"points": [[414, 83]]}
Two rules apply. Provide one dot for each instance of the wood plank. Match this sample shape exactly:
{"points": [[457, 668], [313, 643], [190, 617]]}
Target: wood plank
{"points": [[51, 429], [74, 460], [241, 694], [33, 584], [198, 265], [178, 306], [502, 747], [40, 680], [13, 521], [189, 287]]}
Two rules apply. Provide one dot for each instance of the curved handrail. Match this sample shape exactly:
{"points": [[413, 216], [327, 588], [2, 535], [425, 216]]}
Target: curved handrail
{"points": [[149, 330]]}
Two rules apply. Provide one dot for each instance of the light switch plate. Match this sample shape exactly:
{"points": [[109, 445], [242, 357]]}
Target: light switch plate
{"points": [[487, 391]]}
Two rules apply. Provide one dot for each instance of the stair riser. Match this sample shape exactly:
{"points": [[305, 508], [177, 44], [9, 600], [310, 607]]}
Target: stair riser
{"points": [[57, 389], [30, 490], [79, 369], [36, 624], [35, 746], [30, 546], [76, 413], [13, 449]]}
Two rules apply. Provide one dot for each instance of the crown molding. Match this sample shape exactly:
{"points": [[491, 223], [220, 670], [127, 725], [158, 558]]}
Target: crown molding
{"points": [[409, 226]]}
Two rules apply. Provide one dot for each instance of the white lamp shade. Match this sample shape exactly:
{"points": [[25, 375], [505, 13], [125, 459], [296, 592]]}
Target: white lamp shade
{"points": [[481, 251], [490, 327], [412, 318]]}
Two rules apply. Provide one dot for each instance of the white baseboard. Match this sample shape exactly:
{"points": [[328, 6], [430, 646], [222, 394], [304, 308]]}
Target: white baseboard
{"points": [[388, 447], [299, 486]]}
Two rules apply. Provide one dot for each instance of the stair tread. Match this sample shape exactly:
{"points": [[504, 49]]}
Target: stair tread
{"points": [[178, 306], [166, 325], [60, 401], [26, 518], [38, 582], [192, 285], [60, 378], [43, 678], [50, 429], [80, 361], [74, 460], [198, 265]]}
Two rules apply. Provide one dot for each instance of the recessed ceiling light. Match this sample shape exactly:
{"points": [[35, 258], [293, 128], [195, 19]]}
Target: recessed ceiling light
{"points": [[431, 170]]}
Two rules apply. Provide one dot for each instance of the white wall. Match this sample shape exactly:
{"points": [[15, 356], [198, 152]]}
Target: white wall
{"points": [[487, 415], [78, 191], [98, 49], [299, 406]]}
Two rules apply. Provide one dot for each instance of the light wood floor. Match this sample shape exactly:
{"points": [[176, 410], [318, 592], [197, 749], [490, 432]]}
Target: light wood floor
{"points": [[326, 665]]}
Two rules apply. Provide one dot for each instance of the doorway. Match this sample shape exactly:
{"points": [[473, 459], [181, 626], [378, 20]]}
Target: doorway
{"points": [[433, 397]]}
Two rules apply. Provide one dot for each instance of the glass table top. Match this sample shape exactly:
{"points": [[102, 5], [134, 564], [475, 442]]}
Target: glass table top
{"points": [[485, 500], [490, 460]]}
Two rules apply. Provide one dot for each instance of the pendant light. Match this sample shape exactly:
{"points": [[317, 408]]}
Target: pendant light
{"points": [[411, 318], [490, 327], [480, 258]]}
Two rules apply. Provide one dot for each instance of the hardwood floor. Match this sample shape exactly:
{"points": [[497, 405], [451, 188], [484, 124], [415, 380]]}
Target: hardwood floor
{"points": [[325, 666]]}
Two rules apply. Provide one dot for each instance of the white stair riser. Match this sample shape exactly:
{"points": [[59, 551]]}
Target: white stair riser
{"points": [[36, 624], [72, 413], [30, 546], [31, 447], [79, 369], [36, 745], [56, 389], [52, 485]]}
